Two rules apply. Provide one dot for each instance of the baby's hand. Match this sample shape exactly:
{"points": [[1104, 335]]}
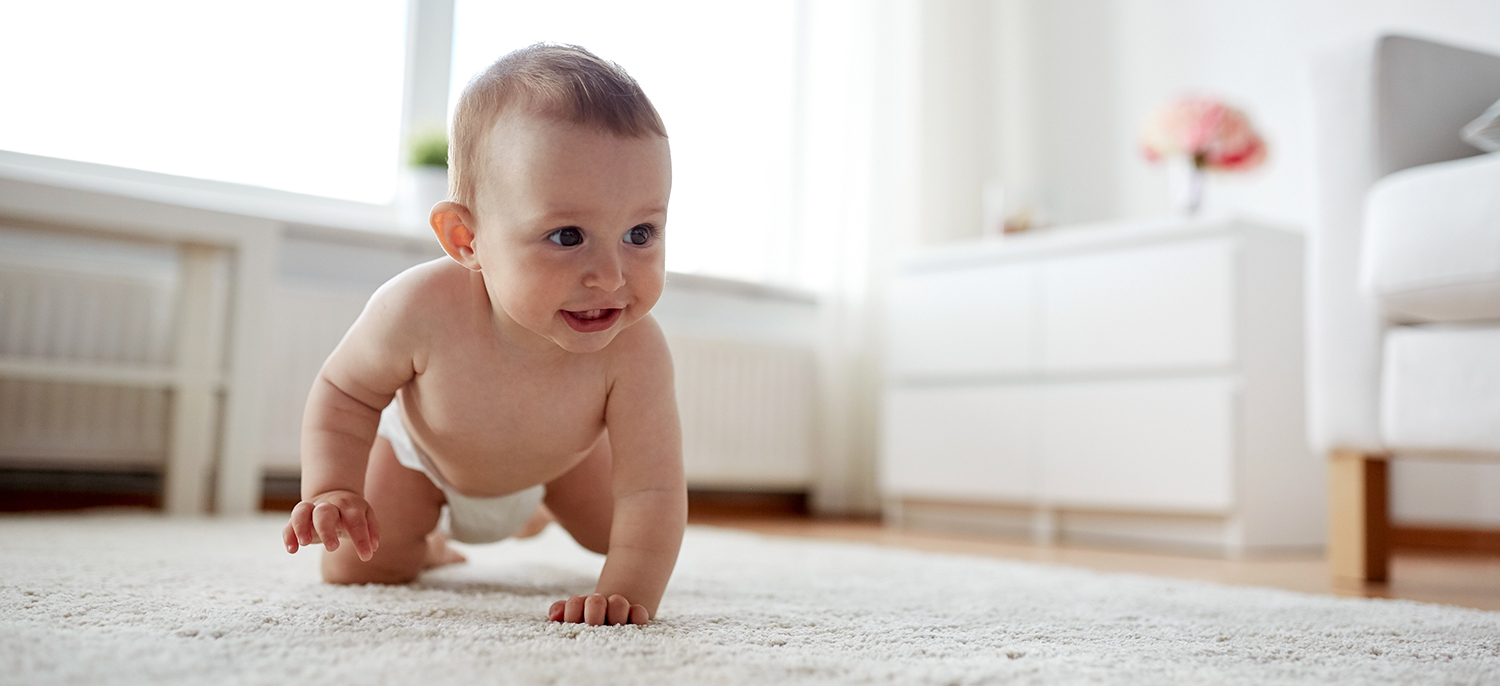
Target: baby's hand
{"points": [[325, 516], [595, 609]]}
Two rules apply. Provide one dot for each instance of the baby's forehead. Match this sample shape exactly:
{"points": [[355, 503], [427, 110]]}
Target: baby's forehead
{"points": [[525, 139], [538, 158], [516, 126]]}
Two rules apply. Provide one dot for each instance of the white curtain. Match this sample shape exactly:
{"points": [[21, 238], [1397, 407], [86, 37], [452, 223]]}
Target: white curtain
{"points": [[855, 209]]}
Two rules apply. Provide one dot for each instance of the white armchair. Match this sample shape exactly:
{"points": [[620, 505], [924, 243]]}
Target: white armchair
{"points": [[1404, 282]]}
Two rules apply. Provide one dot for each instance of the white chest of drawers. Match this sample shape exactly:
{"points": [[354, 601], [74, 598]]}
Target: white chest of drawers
{"points": [[1134, 382]]}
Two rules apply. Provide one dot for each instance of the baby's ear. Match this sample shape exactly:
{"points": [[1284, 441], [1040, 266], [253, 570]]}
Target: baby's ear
{"points": [[454, 228]]}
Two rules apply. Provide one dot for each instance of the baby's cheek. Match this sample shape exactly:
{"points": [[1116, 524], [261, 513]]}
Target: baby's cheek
{"points": [[648, 290], [520, 303]]}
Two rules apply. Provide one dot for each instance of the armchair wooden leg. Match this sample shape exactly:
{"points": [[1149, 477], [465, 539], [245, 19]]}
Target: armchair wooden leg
{"points": [[1358, 530]]}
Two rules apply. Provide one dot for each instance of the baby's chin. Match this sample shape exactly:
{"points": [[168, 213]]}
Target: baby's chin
{"points": [[591, 344]]}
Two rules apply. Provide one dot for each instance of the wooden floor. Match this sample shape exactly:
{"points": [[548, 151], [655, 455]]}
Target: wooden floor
{"points": [[1466, 580]]}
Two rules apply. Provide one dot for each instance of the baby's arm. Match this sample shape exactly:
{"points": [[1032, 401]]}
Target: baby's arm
{"points": [[650, 493], [338, 426]]}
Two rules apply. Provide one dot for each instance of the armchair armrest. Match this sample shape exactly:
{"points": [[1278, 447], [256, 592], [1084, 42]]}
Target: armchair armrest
{"points": [[1344, 326], [1379, 106]]}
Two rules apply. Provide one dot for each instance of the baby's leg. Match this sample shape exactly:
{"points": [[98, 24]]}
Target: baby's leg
{"points": [[407, 505], [539, 521], [583, 500]]}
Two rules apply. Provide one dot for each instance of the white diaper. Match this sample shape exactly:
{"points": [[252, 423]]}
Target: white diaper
{"points": [[465, 519]]}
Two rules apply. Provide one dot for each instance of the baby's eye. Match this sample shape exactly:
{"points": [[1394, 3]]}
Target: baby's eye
{"points": [[568, 236], [639, 235]]}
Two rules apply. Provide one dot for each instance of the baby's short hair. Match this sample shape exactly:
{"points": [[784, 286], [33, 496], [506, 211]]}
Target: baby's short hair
{"points": [[566, 82]]}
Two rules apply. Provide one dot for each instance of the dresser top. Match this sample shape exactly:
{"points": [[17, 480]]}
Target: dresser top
{"points": [[1091, 237]]}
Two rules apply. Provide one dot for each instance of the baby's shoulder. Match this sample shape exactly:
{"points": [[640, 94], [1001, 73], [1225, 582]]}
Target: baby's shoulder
{"points": [[394, 335], [432, 290], [415, 306], [641, 348]]}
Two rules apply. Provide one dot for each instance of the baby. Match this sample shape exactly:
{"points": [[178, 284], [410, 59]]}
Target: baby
{"points": [[523, 379]]}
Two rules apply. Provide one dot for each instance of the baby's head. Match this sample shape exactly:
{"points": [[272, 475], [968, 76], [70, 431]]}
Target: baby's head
{"points": [[559, 178]]}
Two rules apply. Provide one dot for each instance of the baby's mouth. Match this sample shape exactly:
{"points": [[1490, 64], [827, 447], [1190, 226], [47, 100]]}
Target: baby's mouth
{"points": [[588, 321]]}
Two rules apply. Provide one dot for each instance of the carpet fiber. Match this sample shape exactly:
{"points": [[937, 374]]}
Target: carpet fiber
{"points": [[96, 599]]}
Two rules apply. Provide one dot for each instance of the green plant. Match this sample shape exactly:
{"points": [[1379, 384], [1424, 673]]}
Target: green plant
{"points": [[430, 149]]}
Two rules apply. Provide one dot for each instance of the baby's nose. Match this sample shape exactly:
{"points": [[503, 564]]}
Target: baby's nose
{"points": [[606, 272]]}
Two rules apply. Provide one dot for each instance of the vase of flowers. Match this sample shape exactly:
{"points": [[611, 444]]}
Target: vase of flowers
{"points": [[1195, 136]]}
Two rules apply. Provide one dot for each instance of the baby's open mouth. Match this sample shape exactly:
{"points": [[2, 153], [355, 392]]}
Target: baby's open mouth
{"points": [[588, 321]]}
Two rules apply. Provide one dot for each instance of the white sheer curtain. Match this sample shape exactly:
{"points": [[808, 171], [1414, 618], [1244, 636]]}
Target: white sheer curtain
{"points": [[858, 156]]}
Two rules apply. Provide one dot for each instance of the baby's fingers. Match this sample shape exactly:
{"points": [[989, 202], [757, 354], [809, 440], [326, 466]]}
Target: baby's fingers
{"points": [[325, 519], [301, 524], [289, 538], [573, 611], [356, 523], [595, 609], [374, 532], [619, 610]]}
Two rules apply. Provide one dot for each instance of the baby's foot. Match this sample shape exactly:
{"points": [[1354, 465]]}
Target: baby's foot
{"points": [[539, 520], [439, 553]]}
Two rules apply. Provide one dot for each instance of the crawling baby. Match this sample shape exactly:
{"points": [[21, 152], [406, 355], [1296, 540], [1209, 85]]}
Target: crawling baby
{"points": [[522, 380]]}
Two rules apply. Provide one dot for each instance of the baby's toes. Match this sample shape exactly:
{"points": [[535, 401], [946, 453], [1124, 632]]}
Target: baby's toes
{"points": [[439, 553]]}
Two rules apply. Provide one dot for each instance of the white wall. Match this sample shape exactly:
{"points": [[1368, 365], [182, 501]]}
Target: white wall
{"points": [[1141, 53], [1049, 95]]}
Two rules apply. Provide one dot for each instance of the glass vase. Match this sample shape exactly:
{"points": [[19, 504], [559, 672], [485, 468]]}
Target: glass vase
{"points": [[1184, 185]]}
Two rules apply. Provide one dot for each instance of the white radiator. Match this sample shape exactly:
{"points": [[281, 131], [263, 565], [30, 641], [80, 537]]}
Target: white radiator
{"points": [[78, 299], [746, 413], [307, 321]]}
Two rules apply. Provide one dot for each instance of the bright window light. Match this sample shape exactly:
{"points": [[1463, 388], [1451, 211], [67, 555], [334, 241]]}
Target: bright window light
{"points": [[295, 95], [723, 76]]}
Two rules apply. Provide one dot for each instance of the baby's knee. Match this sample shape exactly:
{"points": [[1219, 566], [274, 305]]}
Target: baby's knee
{"points": [[348, 569], [594, 543]]}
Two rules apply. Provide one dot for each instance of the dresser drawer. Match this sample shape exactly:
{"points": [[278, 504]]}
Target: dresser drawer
{"points": [[968, 443], [1163, 444], [1158, 307], [956, 322]]}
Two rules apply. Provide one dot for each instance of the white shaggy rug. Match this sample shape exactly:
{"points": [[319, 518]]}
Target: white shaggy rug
{"points": [[126, 599]]}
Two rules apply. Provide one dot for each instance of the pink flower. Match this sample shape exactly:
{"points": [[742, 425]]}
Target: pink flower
{"points": [[1216, 136]]}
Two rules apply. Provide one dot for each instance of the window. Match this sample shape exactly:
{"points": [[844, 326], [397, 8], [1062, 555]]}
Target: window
{"points": [[723, 76], [299, 96], [306, 97]]}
